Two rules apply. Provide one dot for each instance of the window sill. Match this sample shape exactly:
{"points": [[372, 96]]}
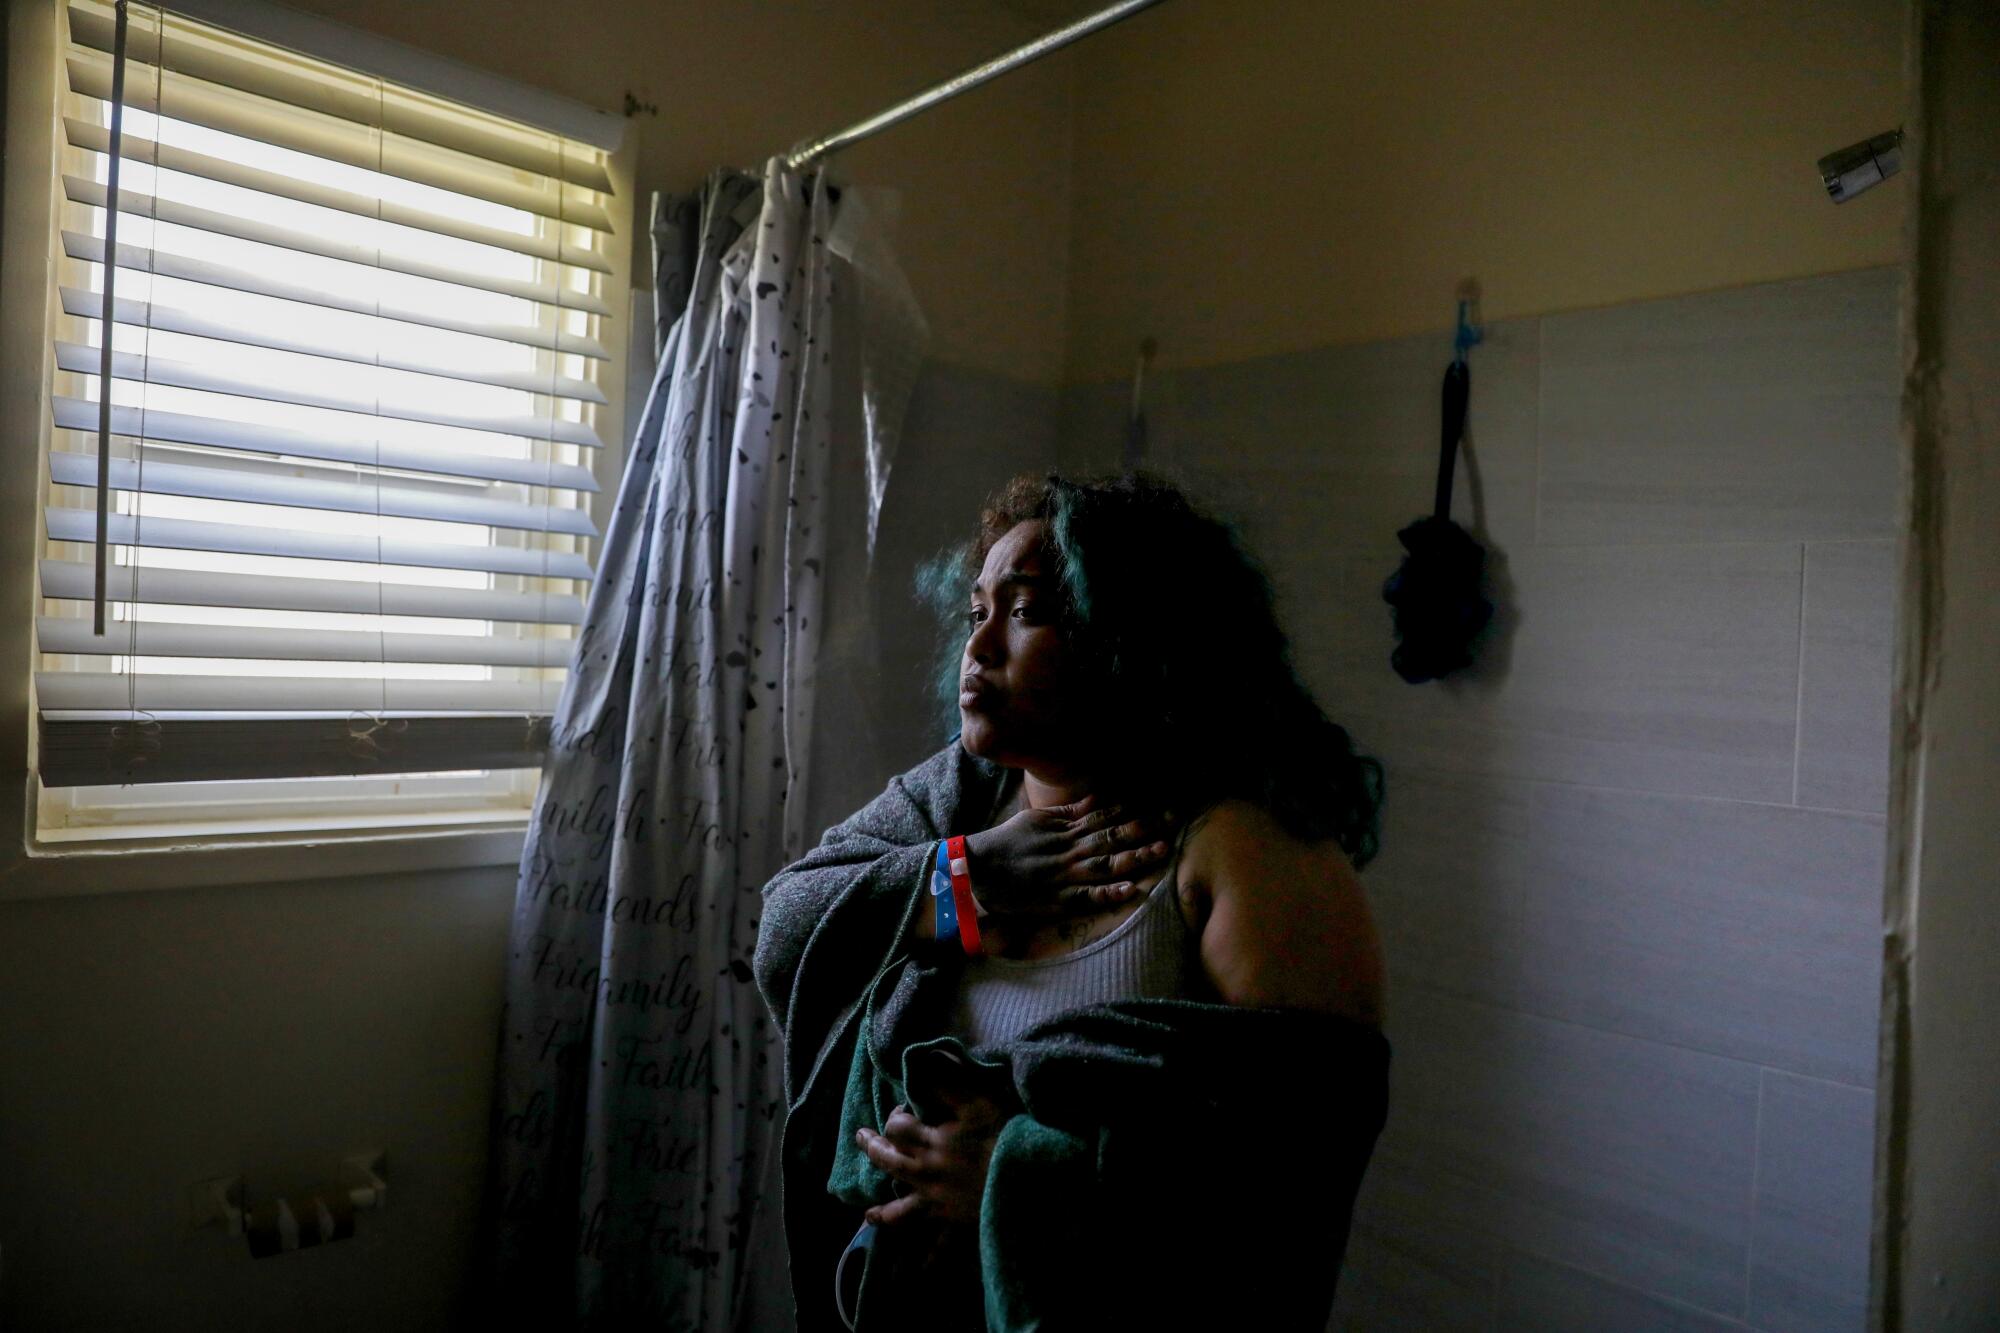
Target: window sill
{"points": [[184, 859]]}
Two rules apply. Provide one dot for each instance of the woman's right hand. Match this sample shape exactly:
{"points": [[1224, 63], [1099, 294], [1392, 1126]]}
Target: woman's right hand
{"points": [[1065, 860]]}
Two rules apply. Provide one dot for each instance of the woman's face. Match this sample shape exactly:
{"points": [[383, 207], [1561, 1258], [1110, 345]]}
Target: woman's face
{"points": [[1017, 690]]}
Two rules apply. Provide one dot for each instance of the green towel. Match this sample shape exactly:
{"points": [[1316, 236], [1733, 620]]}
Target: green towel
{"points": [[855, 1179], [1128, 1148], [869, 1098], [1125, 1193], [1033, 1164]]}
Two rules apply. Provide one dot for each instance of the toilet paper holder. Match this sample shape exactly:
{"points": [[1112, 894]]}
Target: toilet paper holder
{"points": [[220, 1202]]}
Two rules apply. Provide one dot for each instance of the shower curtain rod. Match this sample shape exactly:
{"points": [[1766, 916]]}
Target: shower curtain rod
{"points": [[806, 153]]}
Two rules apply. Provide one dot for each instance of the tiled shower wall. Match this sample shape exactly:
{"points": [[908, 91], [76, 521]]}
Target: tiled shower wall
{"points": [[1631, 870]]}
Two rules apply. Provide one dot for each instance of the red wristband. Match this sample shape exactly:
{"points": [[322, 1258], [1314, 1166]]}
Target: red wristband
{"points": [[961, 894]]}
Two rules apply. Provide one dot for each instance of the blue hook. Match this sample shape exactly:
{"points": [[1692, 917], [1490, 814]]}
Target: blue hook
{"points": [[1467, 337]]}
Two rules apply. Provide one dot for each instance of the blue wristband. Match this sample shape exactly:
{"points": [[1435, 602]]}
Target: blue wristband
{"points": [[941, 897]]}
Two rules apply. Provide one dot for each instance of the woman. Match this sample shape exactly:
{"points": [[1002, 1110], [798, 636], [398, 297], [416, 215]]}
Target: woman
{"points": [[1160, 827]]}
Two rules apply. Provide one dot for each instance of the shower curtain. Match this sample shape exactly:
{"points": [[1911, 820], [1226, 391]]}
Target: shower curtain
{"points": [[635, 1134]]}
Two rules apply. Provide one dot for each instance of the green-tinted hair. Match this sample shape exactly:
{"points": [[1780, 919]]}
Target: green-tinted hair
{"points": [[1176, 623]]}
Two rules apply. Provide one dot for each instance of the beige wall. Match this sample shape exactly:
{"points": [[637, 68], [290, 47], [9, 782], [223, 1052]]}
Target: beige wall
{"points": [[985, 180], [1263, 177], [151, 1040]]}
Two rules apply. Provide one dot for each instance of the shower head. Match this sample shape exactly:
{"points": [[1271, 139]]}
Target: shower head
{"points": [[1851, 170]]}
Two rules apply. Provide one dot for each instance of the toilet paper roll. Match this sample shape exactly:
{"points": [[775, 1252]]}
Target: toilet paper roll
{"points": [[263, 1228], [332, 1213], [299, 1221]]}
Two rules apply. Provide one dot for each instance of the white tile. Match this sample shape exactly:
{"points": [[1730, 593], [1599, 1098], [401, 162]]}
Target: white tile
{"points": [[1626, 1158], [974, 429], [1409, 1265], [1844, 703], [1664, 668], [1758, 413], [1338, 446], [1091, 427], [1743, 930], [1537, 1296], [1449, 888], [1815, 1182]]}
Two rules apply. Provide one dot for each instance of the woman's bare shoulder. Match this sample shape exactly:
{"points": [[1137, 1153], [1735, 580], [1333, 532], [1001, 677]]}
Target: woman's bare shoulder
{"points": [[1241, 840], [1283, 919]]}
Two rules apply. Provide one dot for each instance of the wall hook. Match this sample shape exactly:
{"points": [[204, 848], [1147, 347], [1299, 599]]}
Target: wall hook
{"points": [[1470, 333], [1134, 451]]}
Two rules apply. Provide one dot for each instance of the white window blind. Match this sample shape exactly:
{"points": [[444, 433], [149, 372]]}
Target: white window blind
{"points": [[360, 351]]}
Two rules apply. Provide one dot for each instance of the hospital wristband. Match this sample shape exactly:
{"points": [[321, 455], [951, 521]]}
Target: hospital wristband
{"points": [[961, 893], [944, 903]]}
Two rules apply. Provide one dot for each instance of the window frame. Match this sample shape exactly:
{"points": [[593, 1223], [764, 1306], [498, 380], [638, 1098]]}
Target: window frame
{"points": [[237, 850]]}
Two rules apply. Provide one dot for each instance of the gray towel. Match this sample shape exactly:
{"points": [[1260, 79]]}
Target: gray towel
{"points": [[832, 917], [1125, 1084]]}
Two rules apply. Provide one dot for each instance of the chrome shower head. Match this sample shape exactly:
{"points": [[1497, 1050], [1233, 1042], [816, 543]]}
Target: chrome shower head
{"points": [[1855, 168]]}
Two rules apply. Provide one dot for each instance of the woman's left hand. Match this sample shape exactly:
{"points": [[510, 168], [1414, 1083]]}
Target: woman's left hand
{"points": [[942, 1166]]}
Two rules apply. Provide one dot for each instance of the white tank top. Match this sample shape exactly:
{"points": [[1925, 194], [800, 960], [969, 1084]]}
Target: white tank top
{"points": [[1151, 954]]}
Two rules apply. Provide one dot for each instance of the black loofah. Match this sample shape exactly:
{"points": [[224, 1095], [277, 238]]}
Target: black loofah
{"points": [[1436, 597], [1438, 606]]}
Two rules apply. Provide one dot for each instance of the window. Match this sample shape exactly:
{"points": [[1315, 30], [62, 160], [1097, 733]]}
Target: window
{"points": [[361, 369]]}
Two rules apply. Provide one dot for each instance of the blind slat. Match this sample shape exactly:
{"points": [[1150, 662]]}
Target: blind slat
{"points": [[97, 139], [185, 99], [166, 264], [79, 748], [374, 234], [151, 638], [350, 497], [139, 205], [81, 360], [162, 693], [251, 437], [401, 113], [143, 314], [75, 580], [181, 534]]}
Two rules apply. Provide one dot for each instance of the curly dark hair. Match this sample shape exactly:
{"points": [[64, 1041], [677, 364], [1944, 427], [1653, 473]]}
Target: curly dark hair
{"points": [[1200, 716]]}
